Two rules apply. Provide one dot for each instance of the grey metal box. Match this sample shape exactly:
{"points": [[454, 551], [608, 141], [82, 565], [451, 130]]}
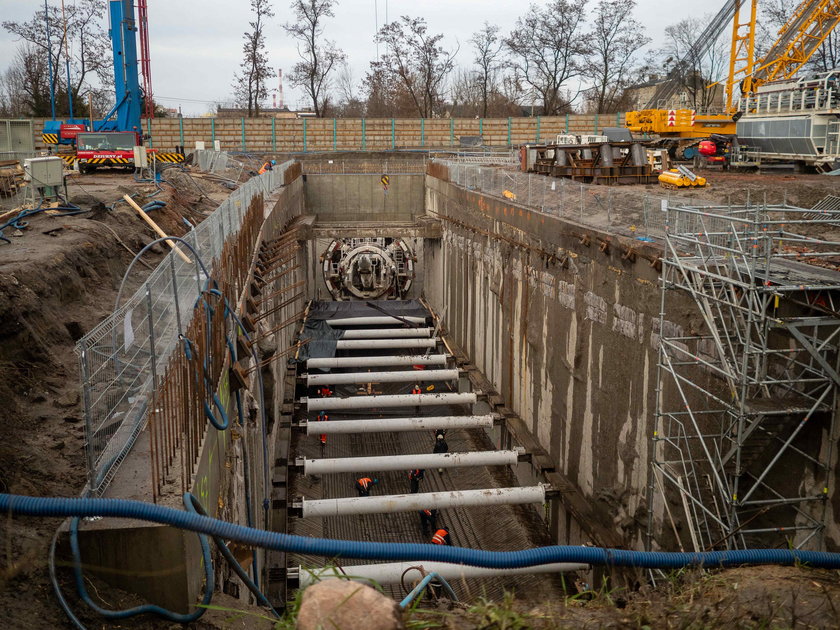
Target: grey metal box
{"points": [[44, 171]]}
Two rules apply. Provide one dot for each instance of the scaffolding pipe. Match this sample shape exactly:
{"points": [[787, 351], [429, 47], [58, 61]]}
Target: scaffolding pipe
{"points": [[391, 400], [405, 376], [384, 360], [381, 320], [422, 501], [387, 333], [408, 462], [378, 344], [380, 425], [393, 572]]}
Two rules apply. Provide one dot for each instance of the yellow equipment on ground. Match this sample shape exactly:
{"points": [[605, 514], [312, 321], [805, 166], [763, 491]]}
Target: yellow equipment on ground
{"points": [[681, 177]]}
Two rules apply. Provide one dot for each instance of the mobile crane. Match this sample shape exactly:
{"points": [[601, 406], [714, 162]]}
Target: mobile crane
{"points": [[111, 140], [682, 130]]}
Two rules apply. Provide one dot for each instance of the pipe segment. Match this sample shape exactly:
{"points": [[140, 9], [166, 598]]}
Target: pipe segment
{"points": [[375, 320], [422, 501], [13, 505], [391, 573], [404, 376], [330, 466], [380, 361], [380, 425], [387, 401], [388, 344], [387, 333]]}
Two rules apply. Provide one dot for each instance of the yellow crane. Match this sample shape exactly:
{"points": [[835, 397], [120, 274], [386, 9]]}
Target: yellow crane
{"points": [[805, 31]]}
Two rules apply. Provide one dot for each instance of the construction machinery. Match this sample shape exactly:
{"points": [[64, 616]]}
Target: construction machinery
{"points": [[111, 140], [682, 130]]}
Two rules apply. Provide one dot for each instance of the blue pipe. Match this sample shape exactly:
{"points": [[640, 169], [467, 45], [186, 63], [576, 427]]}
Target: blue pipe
{"points": [[415, 593], [209, 585], [123, 508]]}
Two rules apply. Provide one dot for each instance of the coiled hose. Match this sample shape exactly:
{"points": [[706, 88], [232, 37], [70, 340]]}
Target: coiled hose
{"points": [[123, 508]]}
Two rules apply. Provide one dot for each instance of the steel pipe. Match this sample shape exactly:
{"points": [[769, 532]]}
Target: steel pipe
{"points": [[392, 572], [380, 425], [381, 320], [387, 333], [408, 462], [405, 376], [422, 501], [391, 400], [378, 344], [385, 360]]}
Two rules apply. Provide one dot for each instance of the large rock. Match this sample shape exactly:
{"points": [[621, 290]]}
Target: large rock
{"points": [[345, 605]]}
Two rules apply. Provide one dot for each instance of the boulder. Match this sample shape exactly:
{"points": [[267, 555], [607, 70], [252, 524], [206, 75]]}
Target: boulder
{"points": [[345, 605]]}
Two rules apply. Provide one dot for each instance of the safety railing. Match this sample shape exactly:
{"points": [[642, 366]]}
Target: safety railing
{"points": [[123, 359]]}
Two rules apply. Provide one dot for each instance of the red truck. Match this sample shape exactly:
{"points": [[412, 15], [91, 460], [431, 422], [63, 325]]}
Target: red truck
{"points": [[105, 148]]}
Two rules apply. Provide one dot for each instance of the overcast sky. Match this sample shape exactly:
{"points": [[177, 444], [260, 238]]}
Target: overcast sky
{"points": [[196, 44]]}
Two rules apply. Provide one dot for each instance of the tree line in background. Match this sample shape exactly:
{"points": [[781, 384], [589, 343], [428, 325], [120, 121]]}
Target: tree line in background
{"points": [[565, 56]]}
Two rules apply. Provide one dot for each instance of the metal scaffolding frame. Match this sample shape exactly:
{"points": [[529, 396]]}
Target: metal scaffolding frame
{"points": [[746, 396]]}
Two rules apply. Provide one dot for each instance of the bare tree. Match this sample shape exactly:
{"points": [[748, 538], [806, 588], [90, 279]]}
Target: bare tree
{"points": [[84, 39], [615, 39], [250, 83], [776, 13], [698, 73], [488, 47], [350, 105], [547, 46], [418, 61], [318, 56]]}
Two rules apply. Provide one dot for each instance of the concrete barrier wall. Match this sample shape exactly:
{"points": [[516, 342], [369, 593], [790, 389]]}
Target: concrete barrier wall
{"points": [[360, 197]]}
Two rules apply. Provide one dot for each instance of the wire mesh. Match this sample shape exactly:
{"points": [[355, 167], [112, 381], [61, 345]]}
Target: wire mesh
{"points": [[124, 358]]}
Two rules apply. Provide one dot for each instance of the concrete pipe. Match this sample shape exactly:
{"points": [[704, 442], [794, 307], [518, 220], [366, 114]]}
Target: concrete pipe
{"points": [[383, 361], [387, 333], [408, 462], [392, 573], [379, 344], [406, 376], [382, 425], [383, 320], [393, 400], [422, 501]]}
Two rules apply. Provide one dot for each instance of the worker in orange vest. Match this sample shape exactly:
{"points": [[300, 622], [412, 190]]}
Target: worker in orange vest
{"points": [[364, 485], [416, 389], [441, 537], [323, 417], [428, 521], [414, 478], [267, 166], [325, 392]]}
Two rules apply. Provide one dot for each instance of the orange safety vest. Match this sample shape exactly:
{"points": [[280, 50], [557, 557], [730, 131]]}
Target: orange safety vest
{"points": [[416, 390], [365, 482], [266, 166], [322, 417], [325, 391], [440, 537]]}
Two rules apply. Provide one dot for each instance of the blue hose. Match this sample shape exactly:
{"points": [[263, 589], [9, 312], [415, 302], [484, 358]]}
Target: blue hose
{"points": [[415, 593], [209, 585], [122, 508]]}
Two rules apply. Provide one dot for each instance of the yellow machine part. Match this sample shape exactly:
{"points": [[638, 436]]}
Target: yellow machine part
{"points": [[678, 123], [675, 179]]}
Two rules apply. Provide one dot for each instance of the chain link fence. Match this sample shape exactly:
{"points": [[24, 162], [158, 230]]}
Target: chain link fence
{"points": [[124, 357], [636, 212]]}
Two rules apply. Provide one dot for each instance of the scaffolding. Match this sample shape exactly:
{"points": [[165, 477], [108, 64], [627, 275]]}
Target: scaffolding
{"points": [[747, 380]]}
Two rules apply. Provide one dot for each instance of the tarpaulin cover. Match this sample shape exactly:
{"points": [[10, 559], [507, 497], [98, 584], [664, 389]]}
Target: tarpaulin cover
{"points": [[323, 337]]}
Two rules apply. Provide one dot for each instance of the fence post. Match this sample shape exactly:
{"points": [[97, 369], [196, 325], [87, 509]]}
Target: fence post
{"points": [[304, 135], [393, 134], [242, 125], [596, 125], [274, 134], [175, 293], [181, 129], [538, 128], [508, 135], [481, 129], [335, 136], [364, 138], [86, 395], [451, 132], [213, 132], [567, 123], [152, 357], [422, 132], [149, 131]]}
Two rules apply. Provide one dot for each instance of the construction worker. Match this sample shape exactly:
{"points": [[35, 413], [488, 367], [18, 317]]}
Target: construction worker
{"points": [[323, 417], [440, 446], [441, 432], [416, 389], [364, 485], [414, 478], [267, 166], [441, 537], [428, 521], [325, 392]]}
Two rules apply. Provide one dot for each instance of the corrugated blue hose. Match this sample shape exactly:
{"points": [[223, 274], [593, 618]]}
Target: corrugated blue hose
{"points": [[123, 508]]}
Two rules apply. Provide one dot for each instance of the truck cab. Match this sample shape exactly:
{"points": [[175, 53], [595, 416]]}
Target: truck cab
{"points": [[105, 148]]}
